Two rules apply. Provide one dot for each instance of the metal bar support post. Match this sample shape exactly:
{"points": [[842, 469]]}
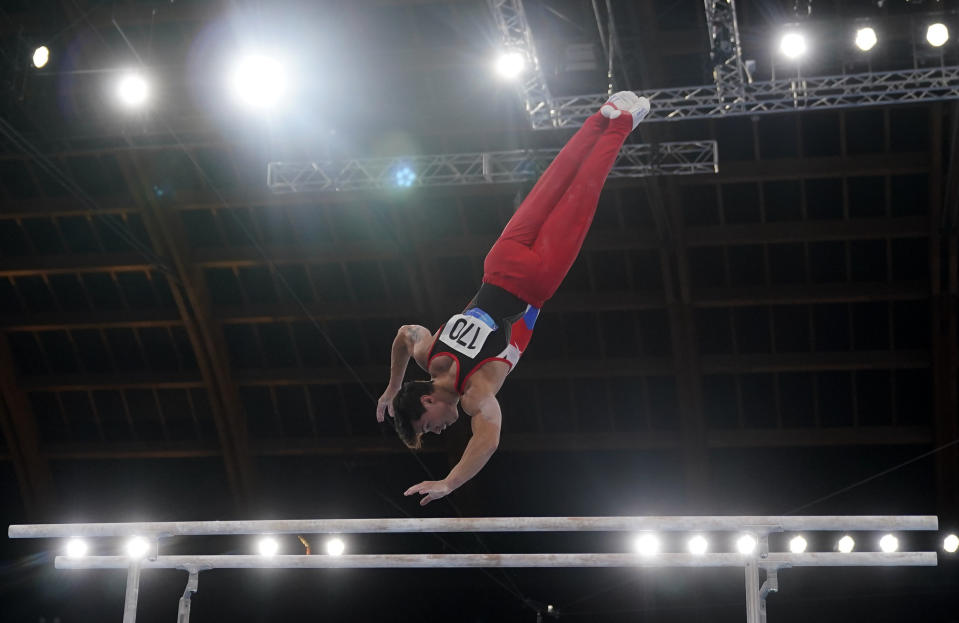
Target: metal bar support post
{"points": [[753, 602], [133, 592], [755, 593], [183, 612]]}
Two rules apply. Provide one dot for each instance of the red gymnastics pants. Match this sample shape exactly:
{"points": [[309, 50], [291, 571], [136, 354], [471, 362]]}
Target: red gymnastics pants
{"points": [[540, 243]]}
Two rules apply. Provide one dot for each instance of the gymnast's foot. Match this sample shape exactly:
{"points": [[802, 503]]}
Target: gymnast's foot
{"points": [[626, 101]]}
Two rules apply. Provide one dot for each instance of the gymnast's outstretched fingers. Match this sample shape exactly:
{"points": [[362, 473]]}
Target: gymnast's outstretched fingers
{"points": [[385, 405], [430, 490]]}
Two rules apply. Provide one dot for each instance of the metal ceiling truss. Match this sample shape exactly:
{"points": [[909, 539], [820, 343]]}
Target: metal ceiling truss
{"points": [[782, 95], [496, 167], [511, 21], [686, 158], [732, 93], [729, 73]]}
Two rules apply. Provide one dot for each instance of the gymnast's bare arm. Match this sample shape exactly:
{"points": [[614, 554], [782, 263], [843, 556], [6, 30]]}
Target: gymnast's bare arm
{"points": [[486, 422], [411, 341]]}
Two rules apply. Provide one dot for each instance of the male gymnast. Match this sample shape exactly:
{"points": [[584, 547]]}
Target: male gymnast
{"points": [[472, 353]]}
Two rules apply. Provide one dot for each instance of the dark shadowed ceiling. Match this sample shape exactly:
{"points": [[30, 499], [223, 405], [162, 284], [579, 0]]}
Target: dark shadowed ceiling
{"points": [[177, 343]]}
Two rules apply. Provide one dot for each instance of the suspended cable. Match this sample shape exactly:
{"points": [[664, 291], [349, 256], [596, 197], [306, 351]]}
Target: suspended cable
{"points": [[874, 476]]}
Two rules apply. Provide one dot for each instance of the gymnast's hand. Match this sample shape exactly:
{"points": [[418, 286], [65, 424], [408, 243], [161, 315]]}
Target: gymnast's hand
{"points": [[430, 490], [384, 404]]}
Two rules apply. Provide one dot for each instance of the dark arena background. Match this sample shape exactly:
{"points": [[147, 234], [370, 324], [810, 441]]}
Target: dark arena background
{"points": [[201, 275]]}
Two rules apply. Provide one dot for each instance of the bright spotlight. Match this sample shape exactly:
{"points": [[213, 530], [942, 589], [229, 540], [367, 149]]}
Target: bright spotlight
{"points": [[888, 543], [647, 544], [746, 544], [41, 56], [405, 177], [697, 545], [937, 34], [133, 90], [846, 544], [951, 543], [335, 547], [797, 545], [792, 45], [509, 65], [866, 38], [258, 81], [268, 546], [76, 548], [137, 547]]}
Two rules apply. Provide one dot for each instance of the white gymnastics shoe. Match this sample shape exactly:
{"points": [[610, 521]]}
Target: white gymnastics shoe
{"points": [[626, 101]]}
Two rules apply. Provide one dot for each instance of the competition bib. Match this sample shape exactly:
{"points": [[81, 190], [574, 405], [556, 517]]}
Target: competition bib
{"points": [[466, 334]]}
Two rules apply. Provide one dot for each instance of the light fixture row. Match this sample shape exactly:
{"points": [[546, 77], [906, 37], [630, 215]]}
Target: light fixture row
{"points": [[257, 81], [137, 547], [793, 43], [260, 81], [269, 546], [646, 544]]}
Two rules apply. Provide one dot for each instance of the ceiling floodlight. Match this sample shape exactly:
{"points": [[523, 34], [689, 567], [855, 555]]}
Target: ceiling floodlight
{"points": [[41, 56], [937, 34], [647, 544], [137, 547], [335, 547], [76, 548], [133, 90], [797, 545], [846, 544], [258, 81], [405, 177], [511, 64], [951, 543], [746, 544], [792, 45], [268, 546], [888, 543], [697, 545], [866, 38]]}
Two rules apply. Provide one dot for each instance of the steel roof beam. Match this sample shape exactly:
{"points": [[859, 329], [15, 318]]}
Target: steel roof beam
{"points": [[23, 440], [565, 301], [193, 302], [530, 370], [514, 442], [755, 233]]}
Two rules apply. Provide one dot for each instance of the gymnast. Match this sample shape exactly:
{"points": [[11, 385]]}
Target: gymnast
{"points": [[470, 356]]}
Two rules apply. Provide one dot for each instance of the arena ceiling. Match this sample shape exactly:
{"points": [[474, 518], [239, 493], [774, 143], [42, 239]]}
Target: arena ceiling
{"points": [[178, 343]]}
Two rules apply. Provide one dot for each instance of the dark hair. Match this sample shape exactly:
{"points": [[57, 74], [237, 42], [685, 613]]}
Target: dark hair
{"points": [[409, 409]]}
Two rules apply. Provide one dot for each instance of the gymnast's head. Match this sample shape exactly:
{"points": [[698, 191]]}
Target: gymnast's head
{"points": [[418, 411]]}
